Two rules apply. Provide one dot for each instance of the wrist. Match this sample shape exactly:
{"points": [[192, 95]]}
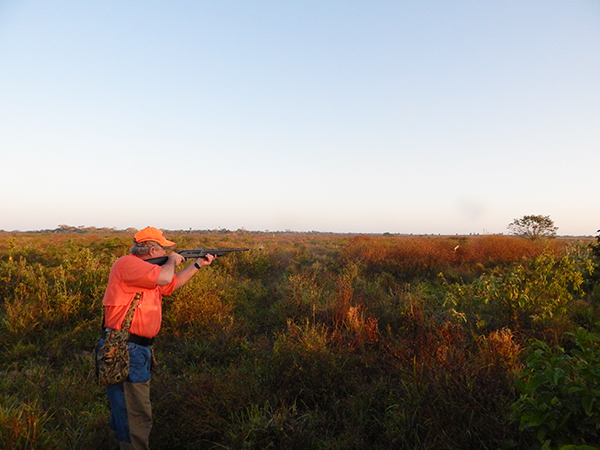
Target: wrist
{"points": [[196, 265]]}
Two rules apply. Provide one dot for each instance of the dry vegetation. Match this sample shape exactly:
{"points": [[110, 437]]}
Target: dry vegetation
{"points": [[306, 341]]}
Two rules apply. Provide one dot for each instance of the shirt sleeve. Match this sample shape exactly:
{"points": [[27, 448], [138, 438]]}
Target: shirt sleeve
{"points": [[138, 274], [169, 288]]}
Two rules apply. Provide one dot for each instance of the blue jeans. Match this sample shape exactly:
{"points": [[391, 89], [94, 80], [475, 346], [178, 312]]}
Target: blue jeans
{"points": [[140, 364]]}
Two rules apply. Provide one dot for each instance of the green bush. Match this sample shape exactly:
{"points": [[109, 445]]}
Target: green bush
{"points": [[560, 392], [522, 297]]}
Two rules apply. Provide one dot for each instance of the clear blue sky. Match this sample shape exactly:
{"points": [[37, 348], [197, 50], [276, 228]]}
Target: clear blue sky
{"points": [[344, 116]]}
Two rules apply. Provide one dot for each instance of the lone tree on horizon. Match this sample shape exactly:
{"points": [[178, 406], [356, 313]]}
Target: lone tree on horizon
{"points": [[533, 227]]}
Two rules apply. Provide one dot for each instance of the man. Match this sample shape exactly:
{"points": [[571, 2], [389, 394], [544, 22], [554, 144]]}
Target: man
{"points": [[131, 413]]}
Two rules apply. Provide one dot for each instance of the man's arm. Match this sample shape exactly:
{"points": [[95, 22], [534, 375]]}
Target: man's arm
{"points": [[167, 272], [186, 274]]}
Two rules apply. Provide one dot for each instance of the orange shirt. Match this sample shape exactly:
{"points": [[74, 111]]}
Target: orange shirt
{"points": [[128, 276]]}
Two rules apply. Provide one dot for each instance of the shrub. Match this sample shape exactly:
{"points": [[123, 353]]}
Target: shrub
{"points": [[518, 297], [560, 391]]}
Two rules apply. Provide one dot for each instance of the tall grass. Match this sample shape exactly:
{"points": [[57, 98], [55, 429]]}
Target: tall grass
{"points": [[306, 341]]}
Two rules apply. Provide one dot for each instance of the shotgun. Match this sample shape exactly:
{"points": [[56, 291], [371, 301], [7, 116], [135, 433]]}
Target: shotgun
{"points": [[199, 253]]}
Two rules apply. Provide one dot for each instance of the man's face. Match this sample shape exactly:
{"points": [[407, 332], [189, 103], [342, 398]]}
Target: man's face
{"points": [[156, 251]]}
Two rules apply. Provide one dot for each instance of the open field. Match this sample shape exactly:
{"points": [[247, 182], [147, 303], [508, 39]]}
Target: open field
{"points": [[316, 341]]}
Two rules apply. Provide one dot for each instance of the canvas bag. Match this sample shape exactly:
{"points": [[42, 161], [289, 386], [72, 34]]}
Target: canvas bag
{"points": [[112, 359]]}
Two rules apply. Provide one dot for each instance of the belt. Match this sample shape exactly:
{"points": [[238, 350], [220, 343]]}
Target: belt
{"points": [[134, 338]]}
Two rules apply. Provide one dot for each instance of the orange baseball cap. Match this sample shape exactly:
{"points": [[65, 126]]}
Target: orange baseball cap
{"points": [[152, 234]]}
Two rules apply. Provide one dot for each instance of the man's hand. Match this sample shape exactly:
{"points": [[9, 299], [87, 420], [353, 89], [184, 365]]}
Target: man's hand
{"points": [[206, 260], [175, 258]]}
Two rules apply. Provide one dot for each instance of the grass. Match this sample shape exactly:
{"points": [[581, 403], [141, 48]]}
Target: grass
{"points": [[306, 341]]}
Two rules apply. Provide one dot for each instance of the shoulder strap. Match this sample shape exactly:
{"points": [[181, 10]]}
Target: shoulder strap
{"points": [[129, 316]]}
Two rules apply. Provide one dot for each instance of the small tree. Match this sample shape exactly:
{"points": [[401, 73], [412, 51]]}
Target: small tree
{"points": [[533, 227]]}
